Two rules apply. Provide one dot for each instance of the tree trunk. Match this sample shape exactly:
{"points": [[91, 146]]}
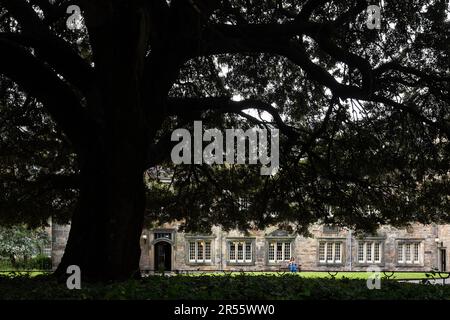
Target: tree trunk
{"points": [[104, 239]]}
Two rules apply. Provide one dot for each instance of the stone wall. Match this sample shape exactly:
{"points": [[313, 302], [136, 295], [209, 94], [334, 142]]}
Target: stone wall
{"points": [[444, 237], [60, 234], [305, 250]]}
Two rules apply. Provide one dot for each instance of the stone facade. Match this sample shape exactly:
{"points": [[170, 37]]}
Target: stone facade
{"points": [[417, 248]]}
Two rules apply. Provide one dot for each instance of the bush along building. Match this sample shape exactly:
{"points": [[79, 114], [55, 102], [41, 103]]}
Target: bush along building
{"points": [[416, 248]]}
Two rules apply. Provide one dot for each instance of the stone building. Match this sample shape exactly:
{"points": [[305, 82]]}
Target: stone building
{"points": [[417, 248]]}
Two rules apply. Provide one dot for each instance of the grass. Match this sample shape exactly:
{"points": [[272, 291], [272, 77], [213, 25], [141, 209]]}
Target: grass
{"points": [[21, 273], [306, 274], [325, 275], [365, 275]]}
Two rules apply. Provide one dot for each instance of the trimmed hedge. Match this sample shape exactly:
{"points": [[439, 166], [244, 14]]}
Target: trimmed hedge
{"points": [[39, 262], [219, 287]]}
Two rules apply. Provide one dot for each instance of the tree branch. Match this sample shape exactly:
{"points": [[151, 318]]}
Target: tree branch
{"points": [[350, 13], [49, 47], [41, 82], [223, 38], [395, 66], [409, 108], [180, 106], [352, 60], [276, 39], [297, 54], [309, 7]]}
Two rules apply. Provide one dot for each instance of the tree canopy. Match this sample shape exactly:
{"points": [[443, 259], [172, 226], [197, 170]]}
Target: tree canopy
{"points": [[363, 113]]}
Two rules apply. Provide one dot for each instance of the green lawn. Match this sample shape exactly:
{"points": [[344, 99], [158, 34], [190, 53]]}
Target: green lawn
{"points": [[308, 274], [365, 275], [339, 275], [19, 273]]}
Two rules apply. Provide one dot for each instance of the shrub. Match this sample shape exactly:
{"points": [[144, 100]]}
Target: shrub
{"points": [[5, 264], [284, 287], [40, 262], [18, 242]]}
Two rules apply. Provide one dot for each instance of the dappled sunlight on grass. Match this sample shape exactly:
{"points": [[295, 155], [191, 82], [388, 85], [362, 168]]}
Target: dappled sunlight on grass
{"points": [[22, 273]]}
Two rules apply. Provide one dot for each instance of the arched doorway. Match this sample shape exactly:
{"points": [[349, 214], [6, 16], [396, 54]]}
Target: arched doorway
{"points": [[163, 256]]}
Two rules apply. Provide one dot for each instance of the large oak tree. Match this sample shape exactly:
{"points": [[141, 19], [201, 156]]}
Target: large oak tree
{"points": [[363, 115]]}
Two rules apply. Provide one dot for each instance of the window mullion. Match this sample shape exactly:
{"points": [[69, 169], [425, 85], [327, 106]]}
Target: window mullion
{"points": [[204, 251], [403, 253], [196, 251], [275, 252], [365, 252], [373, 251], [333, 257]]}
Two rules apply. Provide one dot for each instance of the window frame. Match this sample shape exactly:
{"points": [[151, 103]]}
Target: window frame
{"points": [[154, 232], [330, 250], [244, 241], [162, 235], [373, 241], [276, 240], [196, 240], [401, 246]]}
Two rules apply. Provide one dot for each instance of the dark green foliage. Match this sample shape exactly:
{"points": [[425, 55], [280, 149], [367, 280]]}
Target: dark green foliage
{"points": [[39, 262], [37, 166], [373, 163], [378, 157], [243, 287]]}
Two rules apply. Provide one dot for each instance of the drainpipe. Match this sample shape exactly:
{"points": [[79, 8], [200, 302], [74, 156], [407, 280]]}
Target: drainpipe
{"points": [[351, 248], [220, 250], [436, 236]]}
